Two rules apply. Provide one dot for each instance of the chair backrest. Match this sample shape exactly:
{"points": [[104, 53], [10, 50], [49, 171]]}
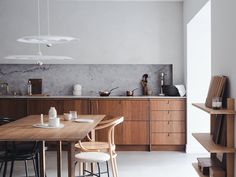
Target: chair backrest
{"points": [[110, 124], [5, 120], [18, 147]]}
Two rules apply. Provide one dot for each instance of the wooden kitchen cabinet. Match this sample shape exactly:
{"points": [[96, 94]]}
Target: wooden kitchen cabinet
{"points": [[136, 118], [168, 124], [13, 108], [149, 124], [42, 106], [81, 106]]}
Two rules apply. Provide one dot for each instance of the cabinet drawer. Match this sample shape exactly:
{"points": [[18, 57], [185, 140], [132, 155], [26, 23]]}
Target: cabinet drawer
{"points": [[168, 126], [168, 138], [167, 104], [168, 115]]}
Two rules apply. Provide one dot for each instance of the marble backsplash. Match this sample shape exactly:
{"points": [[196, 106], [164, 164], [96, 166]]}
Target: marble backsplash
{"points": [[59, 79]]}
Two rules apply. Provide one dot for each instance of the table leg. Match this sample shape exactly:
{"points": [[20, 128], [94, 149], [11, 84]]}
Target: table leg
{"points": [[71, 159], [59, 159], [42, 158]]}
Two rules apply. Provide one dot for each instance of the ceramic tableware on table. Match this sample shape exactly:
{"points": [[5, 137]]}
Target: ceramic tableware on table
{"points": [[73, 114], [67, 116], [54, 122], [52, 113]]}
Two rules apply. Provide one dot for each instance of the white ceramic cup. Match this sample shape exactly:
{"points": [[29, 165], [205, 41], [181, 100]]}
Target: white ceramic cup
{"points": [[73, 114], [54, 122], [67, 116]]}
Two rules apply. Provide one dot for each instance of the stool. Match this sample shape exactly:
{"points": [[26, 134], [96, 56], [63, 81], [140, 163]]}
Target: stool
{"points": [[92, 157]]}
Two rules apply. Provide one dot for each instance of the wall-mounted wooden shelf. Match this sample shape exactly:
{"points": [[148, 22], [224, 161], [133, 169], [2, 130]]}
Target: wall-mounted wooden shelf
{"points": [[195, 166], [213, 111], [205, 139]]}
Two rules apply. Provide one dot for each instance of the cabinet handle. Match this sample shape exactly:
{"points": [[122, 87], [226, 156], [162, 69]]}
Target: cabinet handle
{"points": [[168, 134], [168, 122], [168, 102], [168, 112]]}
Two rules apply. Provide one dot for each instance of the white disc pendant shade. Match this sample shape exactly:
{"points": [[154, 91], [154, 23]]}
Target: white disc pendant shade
{"points": [[46, 39], [37, 57]]}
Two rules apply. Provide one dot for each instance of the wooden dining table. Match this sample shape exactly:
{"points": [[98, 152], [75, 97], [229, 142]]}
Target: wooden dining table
{"points": [[23, 130]]}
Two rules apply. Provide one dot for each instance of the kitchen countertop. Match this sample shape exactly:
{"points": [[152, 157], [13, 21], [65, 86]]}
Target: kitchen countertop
{"points": [[95, 97]]}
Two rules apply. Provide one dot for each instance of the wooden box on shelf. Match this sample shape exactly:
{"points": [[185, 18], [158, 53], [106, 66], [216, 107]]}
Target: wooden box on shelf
{"points": [[206, 163], [217, 172]]}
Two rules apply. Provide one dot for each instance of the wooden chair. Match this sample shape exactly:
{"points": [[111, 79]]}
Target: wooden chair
{"points": [[83, 158], [109, 147]]}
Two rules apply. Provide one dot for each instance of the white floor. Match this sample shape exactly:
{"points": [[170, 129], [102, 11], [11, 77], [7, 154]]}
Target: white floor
{"points": [[133, 164]]}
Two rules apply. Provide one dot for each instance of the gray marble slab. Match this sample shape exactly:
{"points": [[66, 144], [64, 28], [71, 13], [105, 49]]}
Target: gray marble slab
{"points": [[59, 79]]}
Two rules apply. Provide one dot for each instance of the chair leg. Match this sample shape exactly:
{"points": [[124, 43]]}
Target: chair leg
{"points": [[5, 169], [83, 169], [115, 164], [26, 168], [35, 168], [99, 171], [107, 169], [1, 166], [37, 163], [113, 167], [12, 166], [80, 168]]}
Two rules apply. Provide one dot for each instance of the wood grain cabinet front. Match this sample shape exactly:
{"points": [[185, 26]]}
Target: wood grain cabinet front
{"points": [[148, 122], [13, 108], [42, 106], [168, 122], [136, 115]]}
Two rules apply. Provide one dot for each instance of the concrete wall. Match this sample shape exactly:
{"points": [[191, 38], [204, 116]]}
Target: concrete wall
{"points": [[223, 42], [197, 45], [110, 32]]}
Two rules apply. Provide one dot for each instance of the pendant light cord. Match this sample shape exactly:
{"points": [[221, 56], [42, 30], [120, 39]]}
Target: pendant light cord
{"points": [[39, 32]]}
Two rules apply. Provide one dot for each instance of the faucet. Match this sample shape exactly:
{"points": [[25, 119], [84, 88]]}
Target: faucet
{"points": [[162, 83], [6, 86]]}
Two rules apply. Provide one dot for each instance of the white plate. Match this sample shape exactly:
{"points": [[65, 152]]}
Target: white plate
{"points": [[46, 126], [84, 120]]}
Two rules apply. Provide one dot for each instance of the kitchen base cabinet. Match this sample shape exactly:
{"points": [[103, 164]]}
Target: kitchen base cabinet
{"points": [[42, 106], [136, 132], [168, 124], [13, 108], [81, 106], [149, 123], [136, 118]]}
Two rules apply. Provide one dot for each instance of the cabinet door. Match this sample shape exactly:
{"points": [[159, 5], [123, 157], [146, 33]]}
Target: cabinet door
{"points": [[13, 108], [136, 117], [110, 108], [136, 132], [136, 109], [42, 106], [81, 106]]}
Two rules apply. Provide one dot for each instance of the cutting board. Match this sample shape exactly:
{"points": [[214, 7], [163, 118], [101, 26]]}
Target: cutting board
{"points": [[36, 86]]}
